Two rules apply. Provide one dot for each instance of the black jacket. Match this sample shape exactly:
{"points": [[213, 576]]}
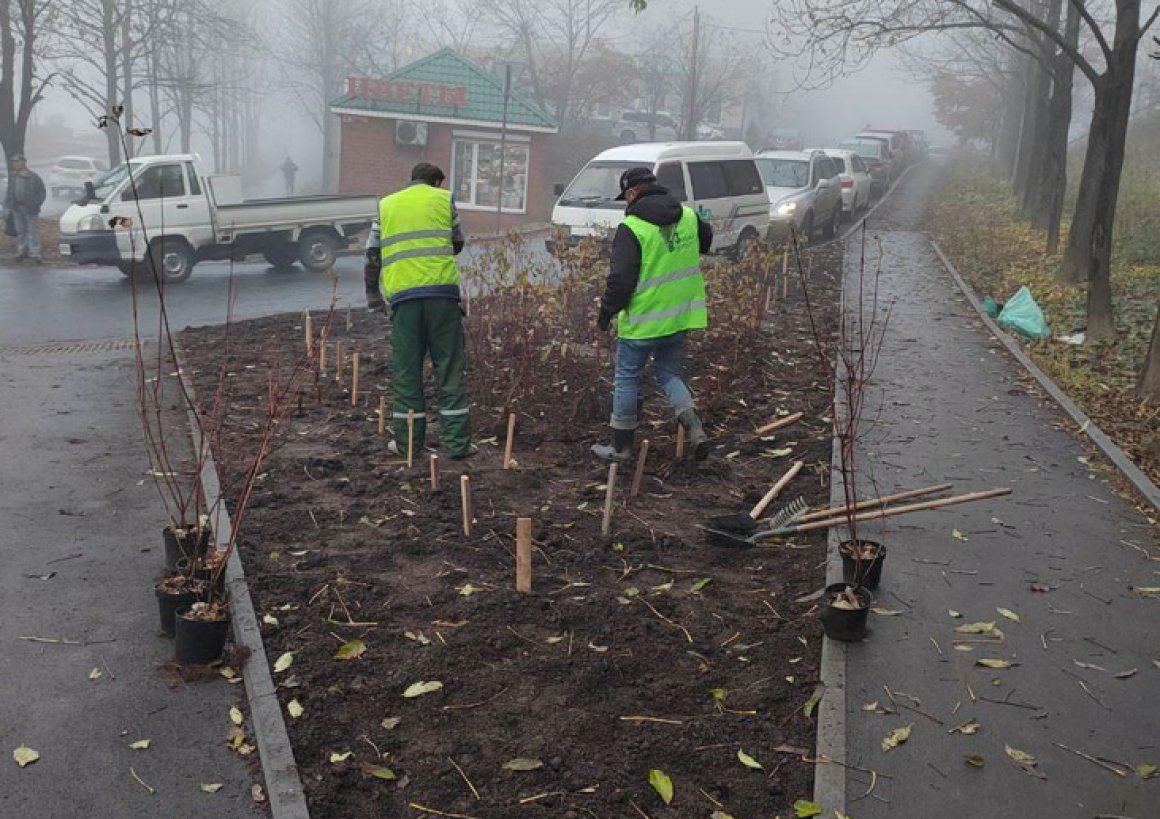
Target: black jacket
{"points": [[654, 205], [34, 194]]}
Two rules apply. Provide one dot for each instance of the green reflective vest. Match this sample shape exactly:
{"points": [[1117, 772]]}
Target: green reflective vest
{"points": [[415, 242], [670, 295]]}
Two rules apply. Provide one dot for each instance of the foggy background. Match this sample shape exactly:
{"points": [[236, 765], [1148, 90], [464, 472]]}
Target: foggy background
{"points": [[271, 75]]}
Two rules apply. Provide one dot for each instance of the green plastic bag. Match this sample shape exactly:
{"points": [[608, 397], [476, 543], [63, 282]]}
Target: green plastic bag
{"points": [[1023, 315], [990, 307]]}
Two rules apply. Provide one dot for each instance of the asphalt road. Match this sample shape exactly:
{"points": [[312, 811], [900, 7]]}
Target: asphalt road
{"points": [[54, 302]]}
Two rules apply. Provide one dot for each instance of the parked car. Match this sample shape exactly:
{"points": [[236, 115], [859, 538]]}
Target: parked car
{"points": [[784, 139], [875, 152], [920, 144], [706, 131], [203, 217], [899, 143], [634, 126], [804, 192], [70, 173], [854, 177], [718, 179]]}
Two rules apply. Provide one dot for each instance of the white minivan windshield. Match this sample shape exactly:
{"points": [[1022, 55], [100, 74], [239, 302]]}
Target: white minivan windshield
{"points": [[597, 185]]}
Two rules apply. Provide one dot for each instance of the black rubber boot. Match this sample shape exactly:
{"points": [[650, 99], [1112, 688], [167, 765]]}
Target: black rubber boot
{"points": [[698, 440], [619, 450]]}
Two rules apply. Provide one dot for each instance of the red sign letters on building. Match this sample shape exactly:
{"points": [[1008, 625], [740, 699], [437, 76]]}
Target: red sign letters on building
{"points": [[423, 93]]}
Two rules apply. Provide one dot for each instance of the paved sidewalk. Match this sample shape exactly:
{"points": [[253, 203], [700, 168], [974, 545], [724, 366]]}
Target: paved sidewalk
{"points": [[949, 405], [81, 548]]}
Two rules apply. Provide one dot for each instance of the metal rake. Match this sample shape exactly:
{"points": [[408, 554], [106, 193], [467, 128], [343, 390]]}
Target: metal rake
{"points": [[788, 514]]}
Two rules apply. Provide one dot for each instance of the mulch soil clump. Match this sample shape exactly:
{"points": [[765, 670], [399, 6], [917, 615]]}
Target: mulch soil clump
{"points": [[648, 649]]}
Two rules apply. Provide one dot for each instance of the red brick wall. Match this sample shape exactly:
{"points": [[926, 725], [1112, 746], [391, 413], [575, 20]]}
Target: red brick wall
{"points": [[371, 163]]}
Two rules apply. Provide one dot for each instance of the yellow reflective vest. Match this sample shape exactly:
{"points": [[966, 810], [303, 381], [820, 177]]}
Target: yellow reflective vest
{"points": [[670, 294], [418, 259]]}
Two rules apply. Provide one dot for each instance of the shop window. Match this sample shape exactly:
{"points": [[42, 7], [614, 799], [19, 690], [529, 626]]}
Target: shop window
{"points": [[476, 175]]}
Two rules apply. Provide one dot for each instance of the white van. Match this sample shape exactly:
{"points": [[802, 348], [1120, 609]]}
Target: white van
{"points": [[717, 179]]}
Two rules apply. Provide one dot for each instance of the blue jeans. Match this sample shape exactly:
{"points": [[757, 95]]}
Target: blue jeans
{"points": [[668, 368], [27, 232]]}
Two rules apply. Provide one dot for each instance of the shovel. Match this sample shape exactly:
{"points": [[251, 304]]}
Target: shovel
{"points": [[742, 524]]}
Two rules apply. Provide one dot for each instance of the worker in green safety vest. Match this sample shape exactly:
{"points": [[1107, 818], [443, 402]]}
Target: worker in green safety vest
{"points": [[656, 290], [413, 246]]}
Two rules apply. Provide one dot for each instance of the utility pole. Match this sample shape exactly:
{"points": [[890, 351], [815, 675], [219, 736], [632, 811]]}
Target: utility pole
{"points": [[507, 92], [691, 92]]}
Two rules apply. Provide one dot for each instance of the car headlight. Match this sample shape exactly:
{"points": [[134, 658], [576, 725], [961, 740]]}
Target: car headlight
{"points": [[91, 222], [785, 208]]}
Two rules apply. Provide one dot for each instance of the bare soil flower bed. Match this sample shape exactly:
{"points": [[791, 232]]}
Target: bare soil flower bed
{"points": [[644, 650]]}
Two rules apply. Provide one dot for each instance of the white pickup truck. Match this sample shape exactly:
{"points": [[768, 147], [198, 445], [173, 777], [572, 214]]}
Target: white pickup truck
{"points": [[160, 213]]}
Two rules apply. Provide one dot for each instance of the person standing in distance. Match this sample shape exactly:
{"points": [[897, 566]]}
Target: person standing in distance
{"points": [[413, 246], [23, 199], [656, 290], [289, 172]]}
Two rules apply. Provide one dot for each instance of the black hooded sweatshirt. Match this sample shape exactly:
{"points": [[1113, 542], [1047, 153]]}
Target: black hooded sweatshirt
{"points": [[655, 205]]}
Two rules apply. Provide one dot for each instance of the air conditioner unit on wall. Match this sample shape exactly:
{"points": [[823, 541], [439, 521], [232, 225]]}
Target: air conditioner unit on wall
{"points": [[408, 132]]}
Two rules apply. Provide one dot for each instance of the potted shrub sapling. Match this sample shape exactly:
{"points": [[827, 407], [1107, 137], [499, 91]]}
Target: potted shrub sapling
{"points": [[164, 405], [850, 357]]}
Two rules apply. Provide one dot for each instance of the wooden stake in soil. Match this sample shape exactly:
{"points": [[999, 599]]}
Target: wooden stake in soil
{"points": [[465, 497], [778, 424], [680, 440], [354, 380], [606, 525], [434, 471], [524, 555], [639, 474], [511, 434], [338, 363], [322, 356], [410, 438], [309, 334], [382, 414]]}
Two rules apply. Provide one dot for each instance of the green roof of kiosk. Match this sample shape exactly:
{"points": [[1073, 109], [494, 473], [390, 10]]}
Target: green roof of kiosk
{"points": [[443, 86]]}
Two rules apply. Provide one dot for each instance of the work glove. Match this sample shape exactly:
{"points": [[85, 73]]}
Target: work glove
{"points": [[604, 321]]}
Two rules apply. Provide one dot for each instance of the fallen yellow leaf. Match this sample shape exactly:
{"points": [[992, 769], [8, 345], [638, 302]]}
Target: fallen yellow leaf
{"points": [[896, 737]]}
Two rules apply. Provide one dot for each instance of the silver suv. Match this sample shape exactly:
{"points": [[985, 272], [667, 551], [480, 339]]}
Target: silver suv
{"points": [[804, 192]]}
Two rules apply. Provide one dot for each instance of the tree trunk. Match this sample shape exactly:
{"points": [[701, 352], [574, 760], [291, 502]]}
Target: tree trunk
{"points": [[1060, 108], [1089, 244], [1148, 384], [1036, 185], [126, 48], [1032, 106]]}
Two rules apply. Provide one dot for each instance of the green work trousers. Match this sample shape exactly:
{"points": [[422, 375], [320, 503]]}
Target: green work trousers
{"points": [[431, 326]]}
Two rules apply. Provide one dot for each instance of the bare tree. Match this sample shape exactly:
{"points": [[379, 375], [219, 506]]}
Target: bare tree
{"points": [[101, 43], [320, 42], [23, 24], [559, 31], [711, 67]]}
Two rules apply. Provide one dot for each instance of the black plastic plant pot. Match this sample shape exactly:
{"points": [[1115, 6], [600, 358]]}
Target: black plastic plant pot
{"points": [[871, 565], [168, 602], [200, 641], [194, 543], [847, 625]]}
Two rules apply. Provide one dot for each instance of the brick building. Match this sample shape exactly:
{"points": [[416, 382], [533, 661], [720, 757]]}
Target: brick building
{"points": [[446, 110]]}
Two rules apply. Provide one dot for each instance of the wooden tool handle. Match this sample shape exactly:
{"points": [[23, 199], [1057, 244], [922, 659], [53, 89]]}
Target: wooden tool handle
{"points": [[870, 504], [779, 423], [901, 510], [774, 490]]}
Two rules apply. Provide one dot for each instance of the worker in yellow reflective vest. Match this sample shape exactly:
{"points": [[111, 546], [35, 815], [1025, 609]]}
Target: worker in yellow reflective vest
{"points": [[413, 247], [656, 291]]}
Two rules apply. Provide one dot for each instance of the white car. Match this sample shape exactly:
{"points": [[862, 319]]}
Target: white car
{"points": [[70, 173], [804, 193], [855, 179]]}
